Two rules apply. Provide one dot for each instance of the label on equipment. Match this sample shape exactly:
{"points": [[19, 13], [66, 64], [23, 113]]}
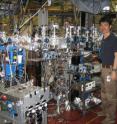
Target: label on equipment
{"points": [[19, 103], [108, 78]]}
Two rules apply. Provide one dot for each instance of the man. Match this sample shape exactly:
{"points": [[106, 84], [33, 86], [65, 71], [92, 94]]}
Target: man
{"points": [[109, 71]]}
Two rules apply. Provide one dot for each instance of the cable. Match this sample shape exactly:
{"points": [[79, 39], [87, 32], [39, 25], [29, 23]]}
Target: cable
{"points": [[91, 120], [93, 13], [76, 13]]}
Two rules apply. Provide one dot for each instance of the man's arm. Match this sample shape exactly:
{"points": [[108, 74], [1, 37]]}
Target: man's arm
{"points": [[114, 70]]}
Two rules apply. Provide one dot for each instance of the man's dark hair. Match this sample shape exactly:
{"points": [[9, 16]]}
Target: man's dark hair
{"points": [[106, 19]]}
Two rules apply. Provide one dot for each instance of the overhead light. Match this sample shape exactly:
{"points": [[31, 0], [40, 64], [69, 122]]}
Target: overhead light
{"points": [[4, 24], [49, 2], [116, 7], [106, 8]]}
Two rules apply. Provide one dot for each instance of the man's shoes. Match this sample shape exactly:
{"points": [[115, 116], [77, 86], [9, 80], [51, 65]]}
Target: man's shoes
{"points": [[99, 114]]}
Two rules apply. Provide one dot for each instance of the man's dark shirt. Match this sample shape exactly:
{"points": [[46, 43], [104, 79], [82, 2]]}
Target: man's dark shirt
{"points": [[108, 48]]}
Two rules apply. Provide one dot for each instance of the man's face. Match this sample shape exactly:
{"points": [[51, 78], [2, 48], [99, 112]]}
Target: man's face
{"points": [[105, 27]]}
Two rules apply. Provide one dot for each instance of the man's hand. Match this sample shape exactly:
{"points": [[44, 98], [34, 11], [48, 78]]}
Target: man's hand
{"points": [[114, 73], [114, 76]]}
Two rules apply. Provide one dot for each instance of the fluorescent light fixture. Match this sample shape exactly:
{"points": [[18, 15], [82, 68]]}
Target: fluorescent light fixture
{"points": [[49, 2], [116, 7], [106, 8]]}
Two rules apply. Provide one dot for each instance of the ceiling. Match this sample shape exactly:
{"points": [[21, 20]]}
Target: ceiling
{"points": [[10, 7], [25, 7], [7, 7]]}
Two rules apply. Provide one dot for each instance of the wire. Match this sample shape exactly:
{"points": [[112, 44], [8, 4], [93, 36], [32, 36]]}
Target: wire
{"points": [[93, 13], [76, 13], [91, 120]]}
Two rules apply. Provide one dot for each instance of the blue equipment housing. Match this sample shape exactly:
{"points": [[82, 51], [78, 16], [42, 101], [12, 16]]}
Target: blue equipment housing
{"points": [[11, 63], [14, 64], [21, 63], [10, 108]]}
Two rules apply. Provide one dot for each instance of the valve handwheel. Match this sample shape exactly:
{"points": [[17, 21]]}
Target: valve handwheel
{"points": [[4, 97]]}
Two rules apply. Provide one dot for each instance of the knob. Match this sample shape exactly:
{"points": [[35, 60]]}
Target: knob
{"points": [[4, 97]]}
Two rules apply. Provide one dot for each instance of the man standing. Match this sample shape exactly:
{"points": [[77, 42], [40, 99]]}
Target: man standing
{"points": [[109, 71]]}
